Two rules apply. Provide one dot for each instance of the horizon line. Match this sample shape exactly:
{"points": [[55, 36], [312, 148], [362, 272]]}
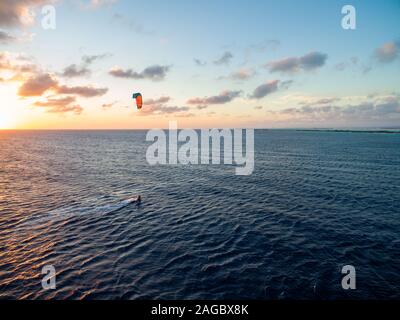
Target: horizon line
{"points": [[208, 128]]}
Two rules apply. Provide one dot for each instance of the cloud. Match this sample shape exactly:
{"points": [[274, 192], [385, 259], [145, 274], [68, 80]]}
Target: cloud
{"points": [[51, 101], [158, 107], [18, 13], [327, 100], [132, 24], [265, 89], [84, 91], [4, 61], [60, 105], [388, 52], [154, 73], [284, 65], [286, 84], [174, 109], [366, 69], [224, 59], [199, 62], [108, 105], [310, 61], [6, 37], [37, 85], [163, 109], [40, 83], [12, 62], [94, 4], [222, 98], [378, 109], [271, 44], [242, 74], [353, 64], [76, 109], [341, 66], [89, 59], [161, 100], [74, 71]]}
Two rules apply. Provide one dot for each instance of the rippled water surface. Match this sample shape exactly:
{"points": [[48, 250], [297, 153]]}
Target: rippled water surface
{"points": [[316, 201]]}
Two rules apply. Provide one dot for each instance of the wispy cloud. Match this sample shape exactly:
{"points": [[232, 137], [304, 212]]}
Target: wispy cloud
{"points": [[154, 73], [74, 70], [15, 64], [159, 110], [222, 98], [310, 61], [270, 44], [388, 52], [320, 101], [199, 62], [84, 91], [132, 24], [353, 61], [108, 105], [377, 109], [286, 84], [224, 59], [159, 107], [241, 75], [94, 4], [6, 38], [60, 105], [89, 59], [159, 101], [265, 89]]}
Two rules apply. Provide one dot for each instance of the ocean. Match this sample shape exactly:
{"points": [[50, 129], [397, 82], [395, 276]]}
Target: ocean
{"points": [[315, 202]]}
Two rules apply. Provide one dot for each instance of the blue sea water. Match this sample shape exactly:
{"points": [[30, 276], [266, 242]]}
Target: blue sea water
{"points": [[315, 202]]}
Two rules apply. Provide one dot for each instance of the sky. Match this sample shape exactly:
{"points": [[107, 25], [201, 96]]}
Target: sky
{"points": [[205, 64]]}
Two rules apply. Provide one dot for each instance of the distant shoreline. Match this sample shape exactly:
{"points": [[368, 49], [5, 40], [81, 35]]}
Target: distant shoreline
{"points": [[350, 131], [386, 130]]}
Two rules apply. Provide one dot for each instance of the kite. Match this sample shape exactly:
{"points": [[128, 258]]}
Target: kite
{"points": [[139, 100]]}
